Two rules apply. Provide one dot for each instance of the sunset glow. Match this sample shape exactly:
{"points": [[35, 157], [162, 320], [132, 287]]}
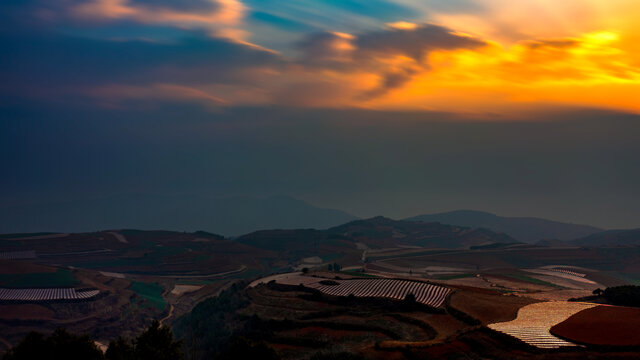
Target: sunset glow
{"points": [[467, 56]]}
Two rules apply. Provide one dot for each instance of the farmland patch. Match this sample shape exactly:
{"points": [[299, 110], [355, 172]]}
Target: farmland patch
{"points": [[60, 278], [46, 294], [602, 325], [534, 321], [25, 312], [487, 306], [428, 294], [455, 276], [180, 289]]}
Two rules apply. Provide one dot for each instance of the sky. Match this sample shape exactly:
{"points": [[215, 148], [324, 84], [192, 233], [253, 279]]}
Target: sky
{"points": [[392, 107], [437, 55]]}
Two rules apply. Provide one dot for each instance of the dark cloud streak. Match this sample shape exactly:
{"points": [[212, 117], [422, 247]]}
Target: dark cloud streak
{"points": [[321, 50], [414, 43], [37, 63]]}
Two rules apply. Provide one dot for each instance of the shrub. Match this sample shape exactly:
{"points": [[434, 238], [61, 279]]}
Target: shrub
{"points": [[59, 345], [627, 295]]}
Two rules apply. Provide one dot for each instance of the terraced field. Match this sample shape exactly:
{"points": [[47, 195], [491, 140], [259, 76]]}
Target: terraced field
{"points": [[425, 293], [46, 294], [18, 255], [534, 321]]}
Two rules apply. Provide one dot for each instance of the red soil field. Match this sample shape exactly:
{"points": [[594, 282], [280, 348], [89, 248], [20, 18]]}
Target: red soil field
{"points": [[21, 267], [602, 325], [25, 312], [332, 333]]}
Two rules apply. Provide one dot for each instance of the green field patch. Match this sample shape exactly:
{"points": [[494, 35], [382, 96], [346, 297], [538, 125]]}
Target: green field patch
{"points": [[60, 278], [200, 258], [151, 293], [154, 257], [491, 246], [26, 235], [246, 274], [531, 280], [374, 257], [330, 257], [504, 291], [455, 276], [630, 278], [197, 282], [358, 273], [520, 260], [118, 263]]}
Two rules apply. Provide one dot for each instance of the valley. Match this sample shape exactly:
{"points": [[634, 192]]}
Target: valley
{"points": [[370, 288]]}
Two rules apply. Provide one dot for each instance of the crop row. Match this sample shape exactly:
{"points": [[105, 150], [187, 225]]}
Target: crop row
{"points": [[424, 293], [567, 271], [46, 294], [536, 336], [534, 321], [18, 255]]}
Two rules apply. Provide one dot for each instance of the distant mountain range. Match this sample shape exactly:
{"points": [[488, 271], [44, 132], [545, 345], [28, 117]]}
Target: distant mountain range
{"points": [[525, 229], [235, 216], [377, 232], [228, 216], [610, 238]]}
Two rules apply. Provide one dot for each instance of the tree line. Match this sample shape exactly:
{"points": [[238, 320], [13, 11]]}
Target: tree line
{"points": [[626, 295], [155, 343]]}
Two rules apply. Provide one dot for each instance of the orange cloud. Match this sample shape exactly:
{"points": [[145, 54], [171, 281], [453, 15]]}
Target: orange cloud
{"points": [[589, 70], [402, 25], [222, 19]]}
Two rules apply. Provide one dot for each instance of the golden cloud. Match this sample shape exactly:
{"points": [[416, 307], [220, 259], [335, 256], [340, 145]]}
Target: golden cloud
{"points": [[222, 19]]}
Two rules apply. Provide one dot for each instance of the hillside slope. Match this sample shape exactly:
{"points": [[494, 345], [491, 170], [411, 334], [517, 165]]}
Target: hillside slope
{"points": [[526, 229], [377, 232], [611, 238]]}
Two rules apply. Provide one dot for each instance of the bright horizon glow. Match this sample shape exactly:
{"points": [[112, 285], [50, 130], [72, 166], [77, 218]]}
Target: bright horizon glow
{"points": [[474, 56]]}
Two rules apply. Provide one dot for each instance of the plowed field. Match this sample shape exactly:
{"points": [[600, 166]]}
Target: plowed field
{"points": [[602, 325]]}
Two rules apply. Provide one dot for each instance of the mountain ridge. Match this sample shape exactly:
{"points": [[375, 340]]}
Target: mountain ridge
{"points": [[624, 237], [377, 232], [526, 229]]}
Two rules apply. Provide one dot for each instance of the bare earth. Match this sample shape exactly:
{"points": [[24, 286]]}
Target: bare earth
{"points": [[183, 289], [119, 236]]}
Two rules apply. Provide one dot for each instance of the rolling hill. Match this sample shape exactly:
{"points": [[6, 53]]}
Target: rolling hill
{"points": [[526, 229], [377, 232]]}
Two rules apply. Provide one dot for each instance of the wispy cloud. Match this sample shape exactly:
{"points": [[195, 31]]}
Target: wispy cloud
{"points": [[216, 16]]}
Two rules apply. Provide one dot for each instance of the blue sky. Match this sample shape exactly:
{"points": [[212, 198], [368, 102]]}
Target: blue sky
{"points": [[376, 107]]}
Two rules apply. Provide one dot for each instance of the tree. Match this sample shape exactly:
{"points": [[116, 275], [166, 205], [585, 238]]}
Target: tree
{"points": [[598, 292], [242, 348], [410, 299], [120, 349], [626, 295], [305, 270], [33, 346], [157, 343], [330, 267]]}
